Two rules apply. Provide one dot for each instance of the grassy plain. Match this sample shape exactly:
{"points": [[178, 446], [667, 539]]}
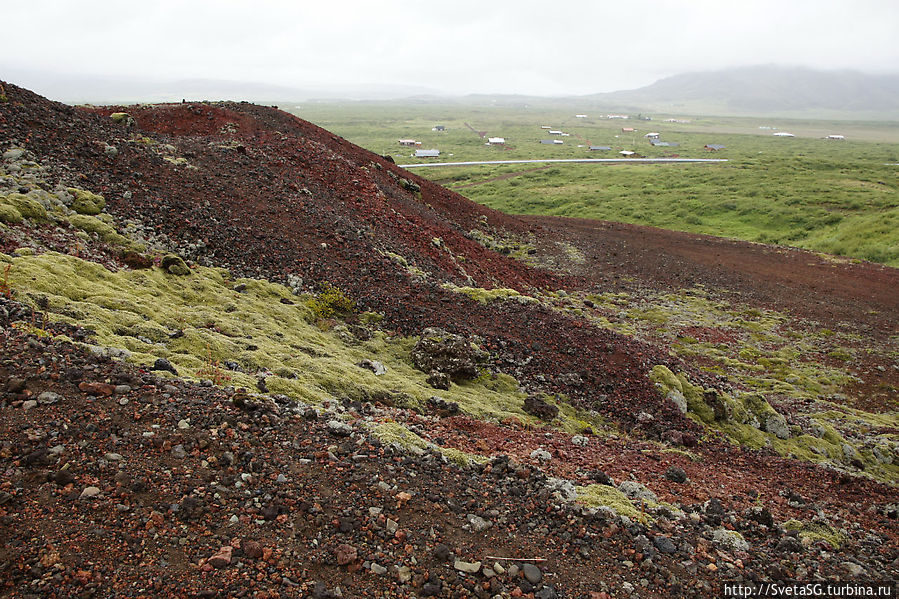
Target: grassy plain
{"points": [[838, 197]]}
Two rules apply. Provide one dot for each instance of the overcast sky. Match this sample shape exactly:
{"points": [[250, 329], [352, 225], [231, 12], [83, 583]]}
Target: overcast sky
{"points": [[546, 47]]}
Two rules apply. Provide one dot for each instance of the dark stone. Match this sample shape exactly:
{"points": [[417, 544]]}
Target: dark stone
{"points": [[442, 553], [163, 364], [664, 544], [547, 592], [431, 589], [537, 406], [444, 352], [532, 573], [320, 591], [602, 478], [443, 407], [676, 475], [63, 477]]}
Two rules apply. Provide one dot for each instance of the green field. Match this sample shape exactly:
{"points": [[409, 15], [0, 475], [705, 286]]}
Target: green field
{"points": [[838, 197]]}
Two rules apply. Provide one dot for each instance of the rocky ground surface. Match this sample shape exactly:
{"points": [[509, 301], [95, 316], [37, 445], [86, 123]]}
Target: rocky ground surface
{"points": [[119, 479]]}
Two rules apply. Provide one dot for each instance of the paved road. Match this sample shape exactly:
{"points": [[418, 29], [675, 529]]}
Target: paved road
{"points": [[547, 160]]}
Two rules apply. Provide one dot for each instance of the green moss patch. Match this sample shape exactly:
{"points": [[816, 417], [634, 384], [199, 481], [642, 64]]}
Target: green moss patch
{"points": [[485, 296], [812, 532], [9, 214], [200, 320], [86, 202], [395, 433], [610, 497]]}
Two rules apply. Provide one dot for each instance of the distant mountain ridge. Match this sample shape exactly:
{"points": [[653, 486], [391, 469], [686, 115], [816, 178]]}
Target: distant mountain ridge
{"points": [[765, 90]]}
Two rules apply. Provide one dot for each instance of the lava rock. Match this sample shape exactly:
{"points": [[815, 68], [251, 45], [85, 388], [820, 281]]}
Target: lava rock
{"points": [[444, 352], [443, 407], [163, 364], [537, 406], [676, 475], [439, 380]]}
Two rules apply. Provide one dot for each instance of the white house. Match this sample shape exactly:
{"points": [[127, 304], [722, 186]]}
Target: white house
{"points": [[427, 153], [580, 116], [555, 132], [783, 134], [835, 137], [409, 142], [626, 153], [496, 140], [652, 135]]}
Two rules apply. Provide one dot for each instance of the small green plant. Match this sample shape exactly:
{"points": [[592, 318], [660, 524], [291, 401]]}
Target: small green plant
{"points": [[35, 327], [3, 98], [331, 301]]}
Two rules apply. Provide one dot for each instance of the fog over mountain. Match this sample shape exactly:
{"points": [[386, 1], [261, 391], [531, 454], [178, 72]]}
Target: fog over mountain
{"points": [[765, 90]]}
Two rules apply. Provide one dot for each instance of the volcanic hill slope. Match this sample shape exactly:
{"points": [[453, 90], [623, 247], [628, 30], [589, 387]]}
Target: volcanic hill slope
{"points": [[243, 357]]}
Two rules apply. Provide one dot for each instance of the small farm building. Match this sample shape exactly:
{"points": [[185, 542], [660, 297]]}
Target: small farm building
{"points": [[427, 153]]}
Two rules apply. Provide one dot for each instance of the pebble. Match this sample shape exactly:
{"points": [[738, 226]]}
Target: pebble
{"points": [[378, 569], [339, 428], [90, 492], [541, 454], [477, 523], [48, 398], [664, 544], [222, 558], [29, 404], [404, 574], [468, 567], [112, 456], [532, 573]]}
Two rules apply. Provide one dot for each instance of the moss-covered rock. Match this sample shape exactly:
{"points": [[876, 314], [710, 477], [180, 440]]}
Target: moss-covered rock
{"points": [[175, 265], [9, 214], [86, 202], [599, 496], [122, 117], [92, 224], [26, 207], [813, 532], [395, 433]]}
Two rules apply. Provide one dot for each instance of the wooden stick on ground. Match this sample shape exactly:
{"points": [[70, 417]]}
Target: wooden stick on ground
{"points": [[517, 559]]}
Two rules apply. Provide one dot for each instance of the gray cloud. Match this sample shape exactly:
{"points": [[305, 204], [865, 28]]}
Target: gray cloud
{"points": [[491, 46]]}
